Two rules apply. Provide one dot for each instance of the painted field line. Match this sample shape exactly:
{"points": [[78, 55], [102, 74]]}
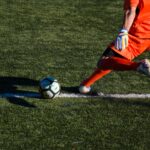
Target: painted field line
{"points": [[69, 95], [101, 95]]}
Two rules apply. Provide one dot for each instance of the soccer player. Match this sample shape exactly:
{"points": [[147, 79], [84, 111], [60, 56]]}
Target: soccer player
{"points": [[132, 40]]}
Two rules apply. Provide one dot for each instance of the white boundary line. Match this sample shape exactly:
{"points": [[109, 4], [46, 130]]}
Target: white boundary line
{"points": [[69, 95], [101, 95]]}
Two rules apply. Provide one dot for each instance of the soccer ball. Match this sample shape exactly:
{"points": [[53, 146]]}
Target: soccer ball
{"points": [[49, 87]]}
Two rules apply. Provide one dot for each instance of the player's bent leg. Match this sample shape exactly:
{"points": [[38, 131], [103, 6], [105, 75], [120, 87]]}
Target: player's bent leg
{"points": [[109, 61], [85, 86], [144, 67]]}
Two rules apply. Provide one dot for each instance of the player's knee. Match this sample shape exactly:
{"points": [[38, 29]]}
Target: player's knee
{"points": [[101, 61]]}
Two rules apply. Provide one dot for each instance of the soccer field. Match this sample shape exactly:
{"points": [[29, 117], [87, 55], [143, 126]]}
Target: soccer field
{"points": [[64, 39]]}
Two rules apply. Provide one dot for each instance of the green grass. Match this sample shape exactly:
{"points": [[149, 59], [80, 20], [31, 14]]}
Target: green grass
{"points": [[84, 124], [64, 39]]}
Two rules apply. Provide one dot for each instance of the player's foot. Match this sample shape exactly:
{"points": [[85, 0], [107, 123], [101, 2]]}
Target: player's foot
{"points": [[144, 67], [84, 89]]}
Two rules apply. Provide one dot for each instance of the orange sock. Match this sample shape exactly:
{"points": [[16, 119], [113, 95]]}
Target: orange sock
{"points": [[97, 74]]}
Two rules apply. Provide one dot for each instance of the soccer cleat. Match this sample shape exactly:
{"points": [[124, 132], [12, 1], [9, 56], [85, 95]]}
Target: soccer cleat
{"points": [[144, 67], [84, 89]]}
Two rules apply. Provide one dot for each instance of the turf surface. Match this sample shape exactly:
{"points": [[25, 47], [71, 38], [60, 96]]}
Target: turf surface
{"points": [[64, 39]]}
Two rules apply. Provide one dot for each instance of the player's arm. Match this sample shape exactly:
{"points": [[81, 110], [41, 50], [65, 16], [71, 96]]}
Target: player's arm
{"points": [[122, 38], [129, 17]]}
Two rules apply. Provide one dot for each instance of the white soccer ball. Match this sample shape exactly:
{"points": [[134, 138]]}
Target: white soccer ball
{"points": [[49, 87]]}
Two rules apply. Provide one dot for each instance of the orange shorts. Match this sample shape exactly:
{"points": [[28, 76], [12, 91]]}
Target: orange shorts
{"points": [[136, 46]]}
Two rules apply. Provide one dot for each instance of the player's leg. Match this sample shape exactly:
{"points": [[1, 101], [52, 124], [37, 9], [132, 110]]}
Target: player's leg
{"points": [[119, 61], [117, 64], [109, 61], [110, 58], [85, 86]]}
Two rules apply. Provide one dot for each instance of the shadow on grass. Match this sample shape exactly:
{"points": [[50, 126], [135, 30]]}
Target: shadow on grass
{"points": [[9, 90], [73, 89]]}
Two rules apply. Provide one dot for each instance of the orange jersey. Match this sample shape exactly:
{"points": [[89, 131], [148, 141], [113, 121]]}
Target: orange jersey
{"points": [[139, 34], [141, 24]]}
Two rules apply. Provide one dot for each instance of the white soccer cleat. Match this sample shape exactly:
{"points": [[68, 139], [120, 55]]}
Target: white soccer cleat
{"points": [[84, 89], [144, 67]]}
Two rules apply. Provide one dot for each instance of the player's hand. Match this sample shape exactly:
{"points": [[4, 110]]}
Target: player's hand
{"points": [[122, 40]]}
